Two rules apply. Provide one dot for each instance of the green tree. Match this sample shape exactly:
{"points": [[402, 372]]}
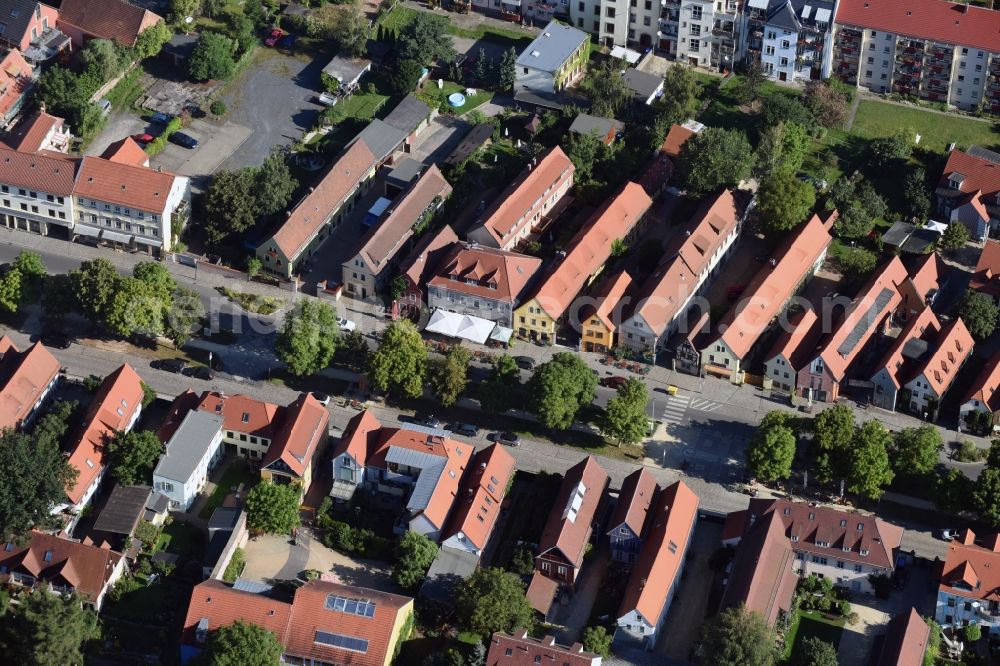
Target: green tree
{"points": [[952, 491], [414, 555], [242, 32], [498, 393], [308, 337], [34, 474], [986, 495], [230, 204], [972, 632], [887, 150], [58, 298], [356, 350], [400, 362], [559, 388], [491, 600], [827, 103], [155, 276], [403, 78], [584, 151], [869, 459], [181, 9], [737, 637], [254, 266], [955, 236], [917, 450], [772, 449], [151, 40], [101, 59], [133, 455], [782, 149], [715, 158], [351, 31], [48, 630], [859, 206], [273, 184], [916, 193], [784, 202], [212, 58], [242, 644], [933, 643], [135, 307], [625, 416], [33, 273], [607, 88], [481, 66], [816, 652], [856, 264], [508, 69], [979, 312], [751, 84], [993, 457], [426, 40], [781, 108], [11, 290], [597, 640], [184, 315], [833, 430], [449, 376], [94, 285], [680, 94], [273, 508]]}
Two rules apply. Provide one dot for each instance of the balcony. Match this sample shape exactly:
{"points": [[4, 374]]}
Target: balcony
{"points": [[45, 47]]}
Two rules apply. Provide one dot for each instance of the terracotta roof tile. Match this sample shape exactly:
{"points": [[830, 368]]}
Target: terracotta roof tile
{"points": [[179, 408], [137, 187], [986, 278], [609, 306], [242, 413], [427, 255], [477, 507], [906, 641], [115, 404], [107, 19], [924, 326], [541, 592], [528, 651], [24, 376], [637, 494], [773, 285], [360, 437], [986, 387], [509, 215], [45, 557], [497, 274], [952, 347], [798, 340], [762, 579], [303, 430], [567, 529], [30, 134], [590, 249], [328, 194], [15, 79], [53, 175], [946, 22], [126, 151], [222, 605], [672, 520], [971, 570], [676, 138]]}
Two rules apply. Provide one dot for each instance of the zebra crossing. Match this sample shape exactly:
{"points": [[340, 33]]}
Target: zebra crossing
{"points": [[677, 406]]}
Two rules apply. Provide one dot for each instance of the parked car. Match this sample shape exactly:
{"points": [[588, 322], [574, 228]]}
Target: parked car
{"points": [[321, 398], [287, 42], [200, 372], [428, 420], [184, 140], [614, 381], [55, 340], [274, 36], [175, 365], [104, 105], [161, 118], [508, 438], [145, 137], [328, 99], [948, 534], [466, 429], [525, 362], [346, 325]]}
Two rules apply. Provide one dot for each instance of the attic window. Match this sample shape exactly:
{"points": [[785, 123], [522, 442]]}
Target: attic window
{"points": [[861, 527], [787, 511], [123, 186], [812, 516], [120, 411], [246, 417], [843, 523], [864, 552], [14, 13], [90, 179], [535, 54], [48, 556], [672, 547], [9, 547], [90, 463]]}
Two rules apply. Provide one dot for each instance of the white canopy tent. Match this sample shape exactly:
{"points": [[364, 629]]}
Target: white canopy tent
{"points": [[463, 326]]}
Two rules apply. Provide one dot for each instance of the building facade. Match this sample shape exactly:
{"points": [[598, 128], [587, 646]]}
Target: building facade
{"points": [[190, 455], [791, 39], [967, 587], [556, 59]]}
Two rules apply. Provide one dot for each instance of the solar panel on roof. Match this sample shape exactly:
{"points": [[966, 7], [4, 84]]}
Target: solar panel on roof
{"points": [[806, 11], [362, 607], [846, 348], [822, 15], [341, 641]]}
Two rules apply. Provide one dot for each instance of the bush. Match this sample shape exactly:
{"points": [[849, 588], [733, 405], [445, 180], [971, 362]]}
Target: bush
{"points": [[969, 453], [844, 607], [235, 566], [217, 108], [973, 633], [882, 584], [91, 383], [147, 533]]}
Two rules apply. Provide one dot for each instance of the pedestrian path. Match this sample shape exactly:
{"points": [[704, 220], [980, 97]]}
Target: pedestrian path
{"points": [[675, 409]]}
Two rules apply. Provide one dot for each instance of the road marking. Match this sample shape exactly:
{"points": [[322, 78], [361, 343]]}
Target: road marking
{"points": [[705, 405], [675, 408]]}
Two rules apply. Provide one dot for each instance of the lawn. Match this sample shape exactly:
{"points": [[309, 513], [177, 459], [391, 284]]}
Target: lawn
{"points": [[362, 106], [237, 473], [518, 40], [141, 602], [811, 625], [937, 130], [397, 19], [438, 97], [180, 539]]}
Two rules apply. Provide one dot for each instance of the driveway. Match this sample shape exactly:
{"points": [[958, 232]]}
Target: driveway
{"points": [[573, 616], [276, 98]]}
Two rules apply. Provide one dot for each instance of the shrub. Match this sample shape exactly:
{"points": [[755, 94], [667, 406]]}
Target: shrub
{"points": [[882, 585], [91, 383], [217, 108], [147, 533], [973, 633], [235, 566]]}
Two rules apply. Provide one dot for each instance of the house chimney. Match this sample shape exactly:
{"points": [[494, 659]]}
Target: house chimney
{"points": [[968, 537]]}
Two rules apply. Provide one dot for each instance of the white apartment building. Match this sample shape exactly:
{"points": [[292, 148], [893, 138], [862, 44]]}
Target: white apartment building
{"points": [[191, 454], [790, 38], [36, 192]]}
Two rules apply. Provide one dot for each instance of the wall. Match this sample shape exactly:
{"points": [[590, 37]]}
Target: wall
{"points": [[535, 80], [477, 306], [885, 392], [237, 539], [531, 322]]}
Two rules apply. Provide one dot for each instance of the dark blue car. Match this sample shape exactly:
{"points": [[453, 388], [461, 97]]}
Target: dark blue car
{"points": [[161, 118], [185, 140], [287, 42]]}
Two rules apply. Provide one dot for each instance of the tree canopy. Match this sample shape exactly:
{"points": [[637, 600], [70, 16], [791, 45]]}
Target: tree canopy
{"points": [[715, 158], [426, 40], [737, 637], [273, 508], [597, 640], [815, 651], [47, 630], [492, 599], [498, 393], [351, 31], [979, 312], [400, 362], [954, 236], [870, 468], [827, 102], [242, 644], [782, 149], [608, 91], [680, 94], [559, 388], [986, 495], [859, 206], [784, 202], [308, 337], [772, 448], [414, 555], [625, 419], [917, 450], [212, 58], [132, 455], [449, 376]]}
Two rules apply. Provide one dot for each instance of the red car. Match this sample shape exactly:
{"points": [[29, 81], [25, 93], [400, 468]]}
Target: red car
{"points": [[273, 38], [142, 138], [614, 381]]}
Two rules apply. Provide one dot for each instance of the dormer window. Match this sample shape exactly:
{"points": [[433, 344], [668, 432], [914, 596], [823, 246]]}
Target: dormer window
{"points": [[795, 537], [864, 552], [955, 180]]}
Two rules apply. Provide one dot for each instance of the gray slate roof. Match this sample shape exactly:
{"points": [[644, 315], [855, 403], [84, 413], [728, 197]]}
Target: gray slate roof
{"points": [[405, 172], [408, 114], [224, 518], [189, 443], [553, 46], [585, 124], [643, 84], [17, 15], [346, 70], [123, 509], [381, 138]]}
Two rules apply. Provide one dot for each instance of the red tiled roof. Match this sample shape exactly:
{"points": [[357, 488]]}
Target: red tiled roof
{"points": [[52, 175], [953, 346], [126, 151], [638, 491], [137, 187], [972, 571], [60, 561], [360, 437], [242, 413], [30, 134], [590, 249], [541, 592], [179, 408], [926, 274], [528, 651], [223, 605], [111, 411], [762, 579], [427, 255], [328, 194], [107, 19], [906, 641], [981, 175], [477, 507], [773, 285], [662, 556], [506, 217], [986, 387], [798, 339], [302, 431], [986, 277], [923, 326], [941, 21], [566, 530], [608, 297], [15, 78], [676, 138], [498, 275], [24, 376]]}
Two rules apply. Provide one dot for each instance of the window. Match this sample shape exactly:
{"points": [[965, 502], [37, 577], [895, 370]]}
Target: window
{"points": [[857, 568], [362, 607], [695, 45], [784, 62], [695, 29], [508, 652], [696, 13], [784, 44]]}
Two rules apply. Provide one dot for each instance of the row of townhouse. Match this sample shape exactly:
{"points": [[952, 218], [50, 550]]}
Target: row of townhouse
{"points": [[116, 199]]}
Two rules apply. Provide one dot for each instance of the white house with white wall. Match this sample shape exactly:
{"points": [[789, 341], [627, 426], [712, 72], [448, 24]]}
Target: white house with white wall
{"points": [[191, 454]]}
